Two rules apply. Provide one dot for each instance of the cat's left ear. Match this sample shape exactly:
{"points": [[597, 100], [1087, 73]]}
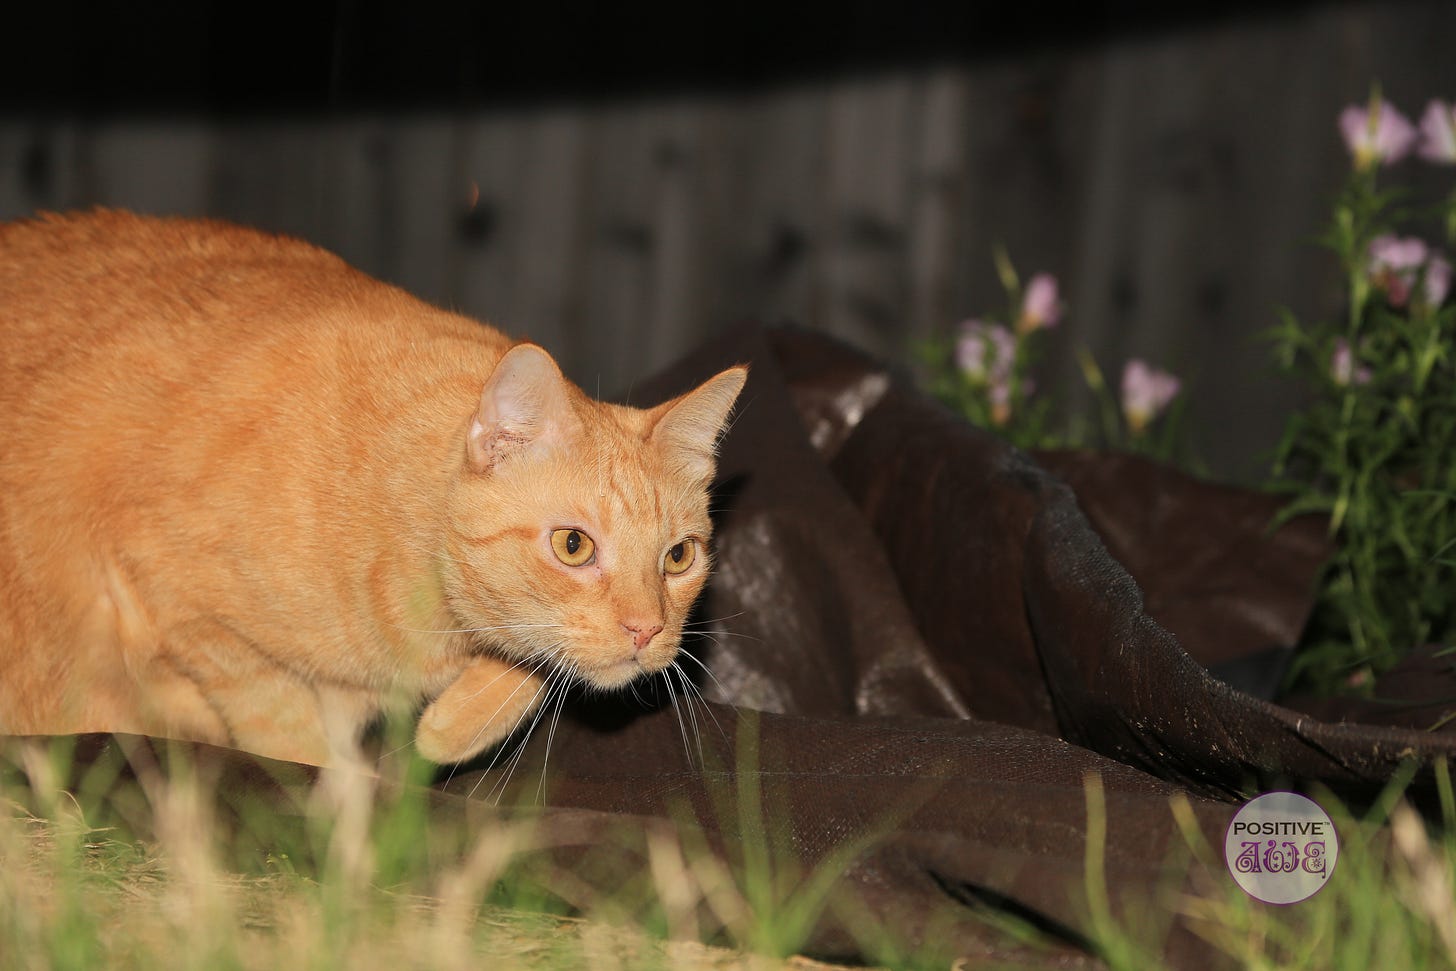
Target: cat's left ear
{"points": [[525, 402], [690, 425]]}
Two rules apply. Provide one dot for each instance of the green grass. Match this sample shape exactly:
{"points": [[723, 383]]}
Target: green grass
{"points": [[362, 880], [97, 870], [77, 897], [1389, 903]]}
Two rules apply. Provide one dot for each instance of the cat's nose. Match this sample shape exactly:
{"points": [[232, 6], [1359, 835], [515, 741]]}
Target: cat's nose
{"points": [[641, 633]]}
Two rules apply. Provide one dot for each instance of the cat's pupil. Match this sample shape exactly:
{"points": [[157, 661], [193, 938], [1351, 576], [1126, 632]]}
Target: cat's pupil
{"points": [[573, 542], [676, 553]]}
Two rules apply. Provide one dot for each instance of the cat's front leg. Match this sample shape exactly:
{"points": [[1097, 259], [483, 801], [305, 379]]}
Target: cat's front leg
{"points": [[487, 702]]}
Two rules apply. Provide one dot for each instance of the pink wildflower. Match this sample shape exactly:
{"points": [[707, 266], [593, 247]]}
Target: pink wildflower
{"points": [[1039, 304], [1395, 263], [1146, 391], [985, 351], [1342, 366], [1376, 133], [1436, 281], [1438, 133]]}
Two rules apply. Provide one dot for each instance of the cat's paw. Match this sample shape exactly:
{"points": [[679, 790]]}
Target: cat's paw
{"points": [[488, 701]]}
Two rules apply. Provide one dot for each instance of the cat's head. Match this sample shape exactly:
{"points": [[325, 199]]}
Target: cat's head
{"points": [[579, 530]]}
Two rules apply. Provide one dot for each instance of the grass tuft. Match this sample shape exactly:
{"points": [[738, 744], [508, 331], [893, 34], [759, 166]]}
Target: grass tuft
{"points": [[101, 871]]}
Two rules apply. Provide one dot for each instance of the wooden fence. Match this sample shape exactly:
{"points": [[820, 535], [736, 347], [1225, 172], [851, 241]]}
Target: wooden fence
{"points": [[1172, 182]]}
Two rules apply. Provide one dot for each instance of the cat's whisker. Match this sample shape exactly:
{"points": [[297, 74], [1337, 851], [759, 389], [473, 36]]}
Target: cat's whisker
{"points": [[715, 634], [531, 707], [697, 693], [550, 737], [498, 790], [713, 620], [692, 713], [391, 752], [692, 690], [558, 680], [677, 711], [712, 637], [538, 664], [400, 748], [554, 682], [477, 630], [706, 670], [637, 694], [532, 712], [700, 639]]}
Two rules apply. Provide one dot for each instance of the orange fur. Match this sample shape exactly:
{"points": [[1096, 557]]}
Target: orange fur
{"points": [[251, 496]]}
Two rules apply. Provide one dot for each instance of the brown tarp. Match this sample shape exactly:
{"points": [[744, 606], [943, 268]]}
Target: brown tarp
{"points": [[932, 640]]}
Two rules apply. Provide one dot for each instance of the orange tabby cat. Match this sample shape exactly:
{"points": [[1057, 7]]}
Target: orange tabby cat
{"points": [[251, 496]]}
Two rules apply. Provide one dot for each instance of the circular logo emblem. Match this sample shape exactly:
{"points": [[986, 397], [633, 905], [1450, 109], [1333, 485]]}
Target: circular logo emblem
{"points": [[1281, 847]]}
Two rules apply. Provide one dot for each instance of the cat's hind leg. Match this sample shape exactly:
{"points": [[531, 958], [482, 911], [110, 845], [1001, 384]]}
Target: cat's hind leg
{"points": [[488, 701], [261, 706], [204, 680]]}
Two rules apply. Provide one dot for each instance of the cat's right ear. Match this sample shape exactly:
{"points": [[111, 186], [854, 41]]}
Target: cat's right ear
{"points": [[524, 403]]}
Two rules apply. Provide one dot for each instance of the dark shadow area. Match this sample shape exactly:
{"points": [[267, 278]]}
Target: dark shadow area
{"points": [[350, 55]]}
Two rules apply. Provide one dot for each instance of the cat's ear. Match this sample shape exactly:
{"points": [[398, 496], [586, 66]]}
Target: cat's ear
{"points": [[524, 402], [690, 425]]}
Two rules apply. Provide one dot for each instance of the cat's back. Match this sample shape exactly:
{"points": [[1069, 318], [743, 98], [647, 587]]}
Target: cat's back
{"points": [[89, 245], [116, 250], [84, 285], [140, 351], [135, 313]]}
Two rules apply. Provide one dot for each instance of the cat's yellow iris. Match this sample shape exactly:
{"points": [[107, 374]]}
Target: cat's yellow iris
{"points": [[680, 557], [573, 547]]}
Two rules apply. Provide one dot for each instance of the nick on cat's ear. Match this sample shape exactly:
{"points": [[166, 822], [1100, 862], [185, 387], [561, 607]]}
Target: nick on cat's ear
{"points": [[690, 425], [524, 401]]}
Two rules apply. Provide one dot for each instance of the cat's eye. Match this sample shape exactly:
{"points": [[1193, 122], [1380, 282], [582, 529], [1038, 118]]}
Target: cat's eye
{"points": [[680, 557], [573, 547]]}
